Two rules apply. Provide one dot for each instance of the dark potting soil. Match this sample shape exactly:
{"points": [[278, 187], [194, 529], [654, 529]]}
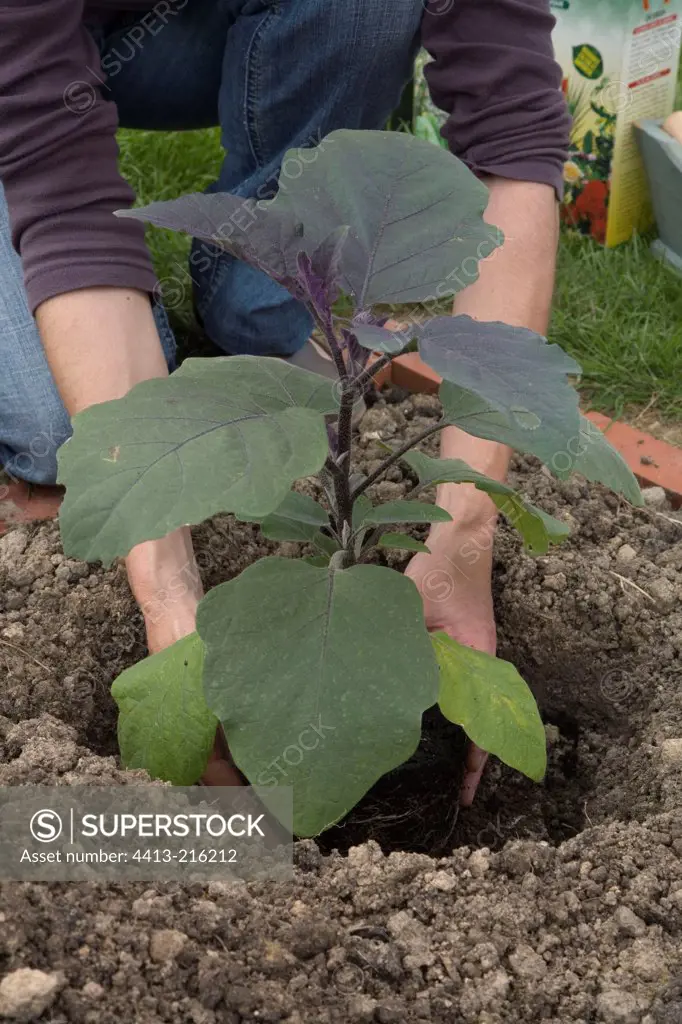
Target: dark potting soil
{"points": [[559, 902]]}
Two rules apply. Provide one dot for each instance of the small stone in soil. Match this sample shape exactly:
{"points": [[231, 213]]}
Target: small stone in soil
{"points": [[556, 582], [92, 990], [671, 751], [25, 994], [617, 1007], [166, 944], [664, 593], [526, 964], [442, 881], [655, 497], [361, 1008], [626, 554], [629, 923], [479, 862]]}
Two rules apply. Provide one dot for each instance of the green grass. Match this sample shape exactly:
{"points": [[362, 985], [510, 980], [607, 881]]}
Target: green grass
{"points": [[165, 165], [618, 311]]}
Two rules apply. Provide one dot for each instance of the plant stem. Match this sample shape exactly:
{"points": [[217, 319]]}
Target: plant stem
{"points": [[327, 328], [396, 457], [371, 371], [344, 500], [340, 466]]}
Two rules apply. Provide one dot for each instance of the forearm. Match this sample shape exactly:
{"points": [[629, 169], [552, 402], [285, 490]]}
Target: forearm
{"points": [[100, 342], [515, 286], [517, 281]]}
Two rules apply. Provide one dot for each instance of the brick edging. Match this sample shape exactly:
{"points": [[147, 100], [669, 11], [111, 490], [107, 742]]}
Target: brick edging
{"points": [[20, 503]]}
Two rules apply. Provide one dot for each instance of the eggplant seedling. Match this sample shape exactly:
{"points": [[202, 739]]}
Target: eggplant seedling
{"points": [[327, 646]]}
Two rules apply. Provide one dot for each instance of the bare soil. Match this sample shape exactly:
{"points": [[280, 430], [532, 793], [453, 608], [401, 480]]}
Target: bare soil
{"points": [[559, 902]]}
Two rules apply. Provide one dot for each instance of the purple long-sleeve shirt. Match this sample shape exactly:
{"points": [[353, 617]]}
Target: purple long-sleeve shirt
{"points": [[493, 72]]}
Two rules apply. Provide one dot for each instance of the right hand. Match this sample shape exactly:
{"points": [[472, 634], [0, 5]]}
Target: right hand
{"points": [[454, 581], [165, 581]]}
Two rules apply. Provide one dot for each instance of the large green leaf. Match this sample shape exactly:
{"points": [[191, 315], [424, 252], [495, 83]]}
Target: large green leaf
{"points": [[597, 460], [266, 236], [482, 419], [492, 703], [586, 451], [414, 211], [414, 214], [537, 528], [253, 231], [514, 371], [229, 434], [405, 512], [320, 678], [164, 725]]}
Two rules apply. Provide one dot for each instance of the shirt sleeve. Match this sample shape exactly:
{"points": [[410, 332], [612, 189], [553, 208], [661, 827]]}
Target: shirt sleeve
{"points": [[58, 156], [494, 74]]}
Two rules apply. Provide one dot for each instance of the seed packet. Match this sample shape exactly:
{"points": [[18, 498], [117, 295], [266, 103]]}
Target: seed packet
{"points": [[620, 60]]}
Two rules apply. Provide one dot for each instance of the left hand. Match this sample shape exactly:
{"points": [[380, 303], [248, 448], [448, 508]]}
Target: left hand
{"points": [[455, 584]]}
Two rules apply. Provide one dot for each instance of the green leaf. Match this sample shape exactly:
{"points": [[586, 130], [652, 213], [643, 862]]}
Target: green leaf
{"points": [[587, 451], [413, 213], [282, 530], [427, 127], [327, 545], [378, 339], [474, 415], [300, 508], [492, 703], [401, 541], [537, 528], [512, 370], [595, 458], [380, 184], [406, 512], [266, 237], [226, 434], [299, 518], [362, 506], [314, 689], [164, 725]]}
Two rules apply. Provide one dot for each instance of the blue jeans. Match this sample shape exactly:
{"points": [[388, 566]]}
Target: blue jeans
{"points": [[274, 74]]}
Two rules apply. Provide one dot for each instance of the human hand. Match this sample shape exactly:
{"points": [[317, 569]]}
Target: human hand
{"points": [[455, 584], [165, 581]]}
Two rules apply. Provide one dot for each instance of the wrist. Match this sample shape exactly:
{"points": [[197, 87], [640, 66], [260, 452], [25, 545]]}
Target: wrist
{"points": [[470, 507], [165, 581], [474, 518], [465, 503]]}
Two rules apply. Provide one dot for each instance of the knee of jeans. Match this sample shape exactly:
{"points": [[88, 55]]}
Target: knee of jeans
{"points": [[33, 456], [379, 30], [243, 312]]}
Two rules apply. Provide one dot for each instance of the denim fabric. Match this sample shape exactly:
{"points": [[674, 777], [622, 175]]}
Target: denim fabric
{"points": [[275, 74], [33, 421]]}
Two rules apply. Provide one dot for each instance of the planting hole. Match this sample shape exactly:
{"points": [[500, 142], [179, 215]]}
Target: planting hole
{"points": [[601, 655]]}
